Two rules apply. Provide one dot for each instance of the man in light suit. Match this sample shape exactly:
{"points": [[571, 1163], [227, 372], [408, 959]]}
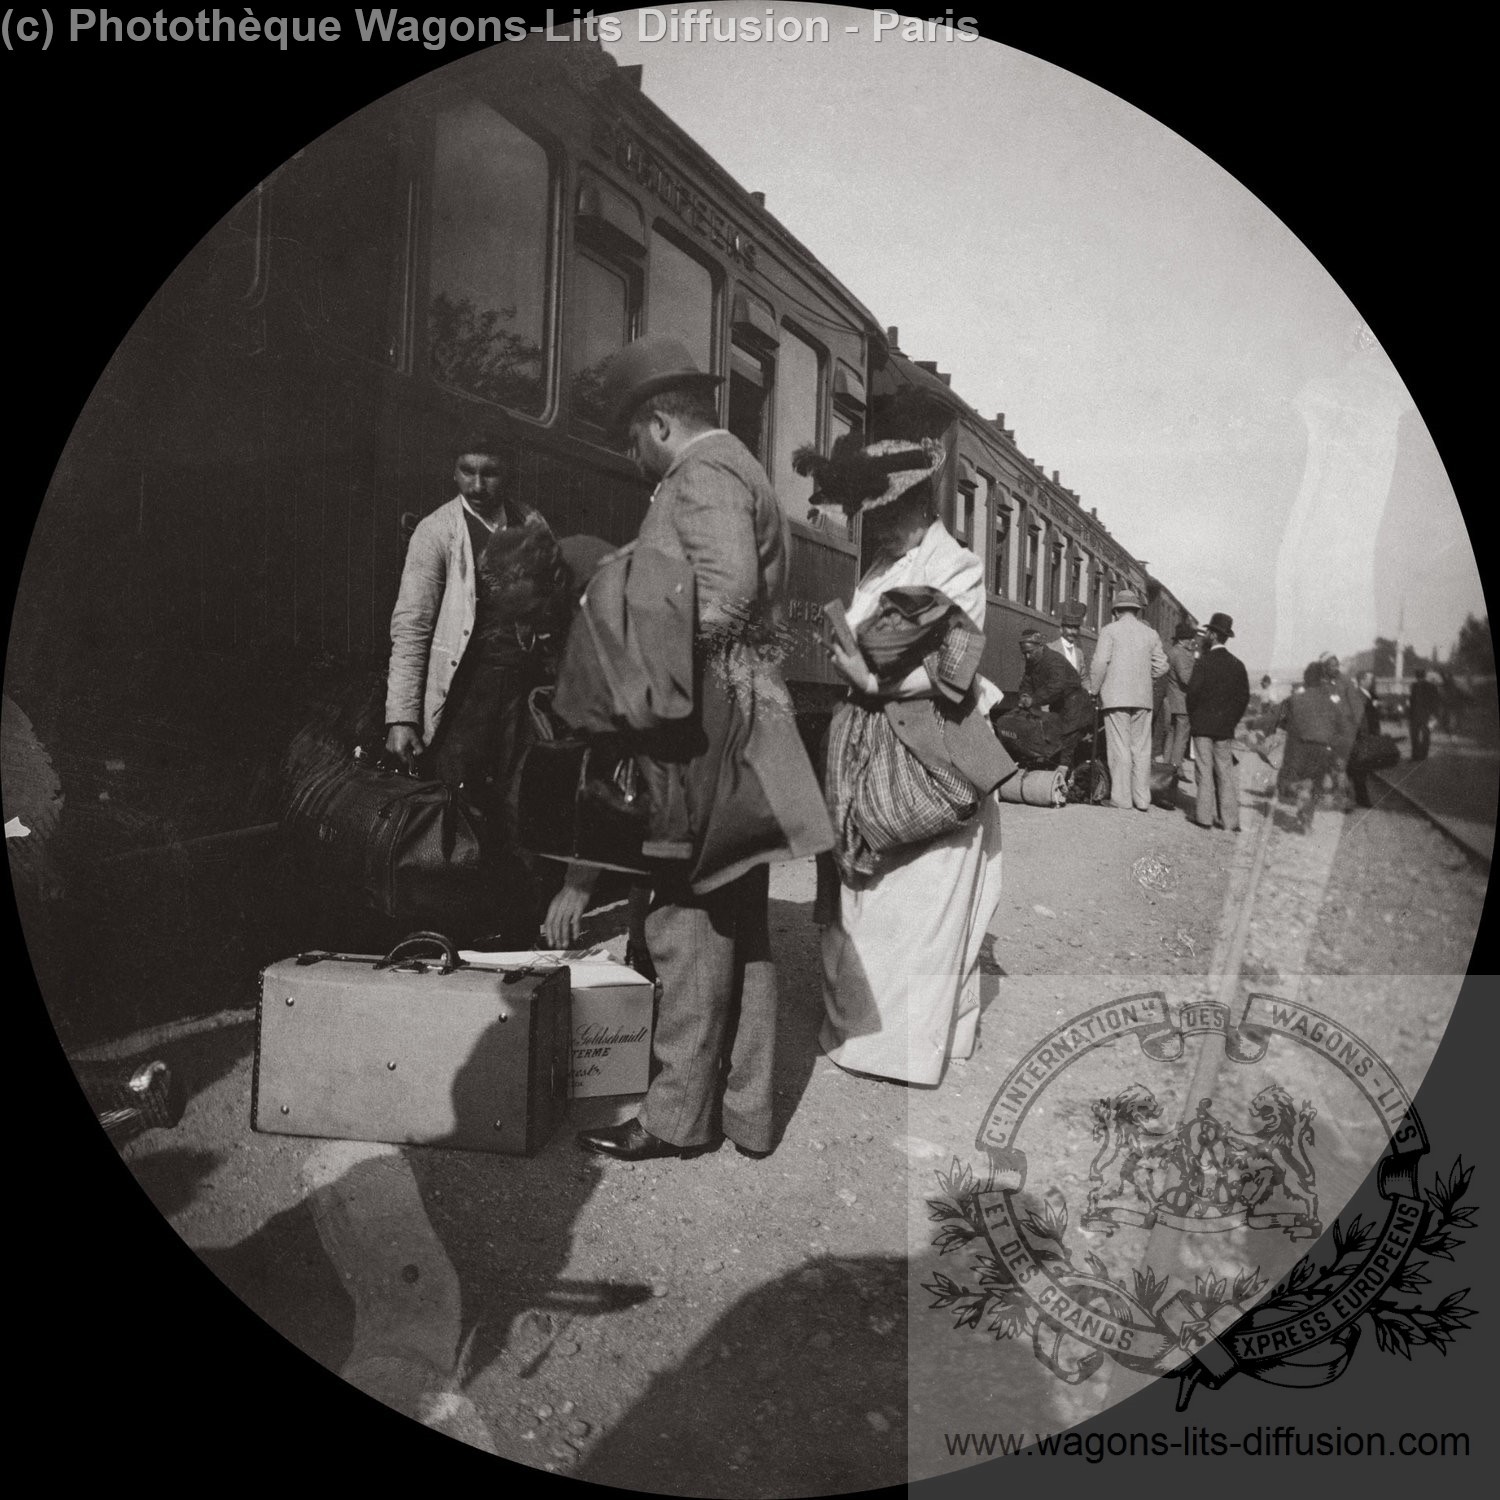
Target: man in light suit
{"points": [[433, 620], [430, 676], [752, 798], [1128, 658]]}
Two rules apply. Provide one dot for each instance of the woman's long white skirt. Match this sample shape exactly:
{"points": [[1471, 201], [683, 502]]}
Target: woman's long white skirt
{"points": [[901, 964]]}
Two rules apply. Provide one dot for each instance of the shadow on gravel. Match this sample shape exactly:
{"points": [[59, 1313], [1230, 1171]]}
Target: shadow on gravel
{"points": [[507, 1225], [171, 1178], [799, 1389], [282, 1274], [797, 1025]]}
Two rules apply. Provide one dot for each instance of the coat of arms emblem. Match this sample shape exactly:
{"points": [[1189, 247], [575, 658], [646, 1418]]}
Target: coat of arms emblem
{"points": [[1178, 1177]]}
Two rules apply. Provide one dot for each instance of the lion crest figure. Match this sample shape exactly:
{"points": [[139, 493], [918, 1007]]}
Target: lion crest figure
{"points": [[1205, 1175]]}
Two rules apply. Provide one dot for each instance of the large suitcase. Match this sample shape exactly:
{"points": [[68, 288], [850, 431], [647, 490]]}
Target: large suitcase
{"points": [[417, 1051]]}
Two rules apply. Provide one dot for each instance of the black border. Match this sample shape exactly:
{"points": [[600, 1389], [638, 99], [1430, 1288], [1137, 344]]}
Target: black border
{"points": [[133, 1360]]}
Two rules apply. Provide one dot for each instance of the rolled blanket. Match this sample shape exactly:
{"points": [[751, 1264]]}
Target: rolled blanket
{"points": [[1036, 788]]}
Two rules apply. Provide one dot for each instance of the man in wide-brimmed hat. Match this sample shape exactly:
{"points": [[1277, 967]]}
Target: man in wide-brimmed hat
{"points": [[1127, 660], [1217, 698], [748, 787]]}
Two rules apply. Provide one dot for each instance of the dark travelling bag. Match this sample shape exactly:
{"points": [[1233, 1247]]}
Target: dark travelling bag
{"points": [[1164, 784], [425, 1051], [1031, 738], [580, 797], [410, 846], [583, 800]]}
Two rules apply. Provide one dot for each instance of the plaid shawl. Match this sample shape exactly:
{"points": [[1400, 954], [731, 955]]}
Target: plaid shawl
{"points": [[881, 796]]}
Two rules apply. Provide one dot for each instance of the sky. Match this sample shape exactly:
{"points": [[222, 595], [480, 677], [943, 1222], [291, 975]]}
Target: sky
{"points": [[1147, 326]]}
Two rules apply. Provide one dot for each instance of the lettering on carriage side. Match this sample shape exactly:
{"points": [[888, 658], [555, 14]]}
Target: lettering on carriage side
{"points": [[695, 210]]}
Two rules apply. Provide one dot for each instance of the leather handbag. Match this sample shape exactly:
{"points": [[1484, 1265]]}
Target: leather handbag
{"points": [[411, 846], [581, 797]]}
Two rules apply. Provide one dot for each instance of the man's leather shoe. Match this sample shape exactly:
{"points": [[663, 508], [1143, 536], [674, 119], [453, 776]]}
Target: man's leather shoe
{"points": [[633, 1142]]}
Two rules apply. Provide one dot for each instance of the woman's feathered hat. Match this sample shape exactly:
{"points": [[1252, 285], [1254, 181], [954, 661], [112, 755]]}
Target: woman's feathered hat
{"points": [[856, 476]]}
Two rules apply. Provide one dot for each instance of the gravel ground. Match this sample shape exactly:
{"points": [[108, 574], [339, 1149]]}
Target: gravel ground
{"points": [[731, 1327]]}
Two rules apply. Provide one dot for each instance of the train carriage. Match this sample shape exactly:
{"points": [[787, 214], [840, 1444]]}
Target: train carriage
{"points": [[219, 552], [1039, 546], [470, 249]]}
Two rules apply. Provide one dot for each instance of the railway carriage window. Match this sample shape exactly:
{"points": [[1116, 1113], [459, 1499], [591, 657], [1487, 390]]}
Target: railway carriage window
{"points": [[487, 307], [1054, 576], [1075, 576], [752, 378], [606, 316], [1001, 575], [680, 299], [799, 410], [1033, 552], [1094, 599], [605, 291], [963, 511], [983, 506]]}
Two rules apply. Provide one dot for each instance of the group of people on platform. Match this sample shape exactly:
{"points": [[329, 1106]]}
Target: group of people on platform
{"points": [[1195, 690], [899, 808]]}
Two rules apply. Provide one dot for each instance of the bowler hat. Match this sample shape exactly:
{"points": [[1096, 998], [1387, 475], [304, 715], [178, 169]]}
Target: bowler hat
{"points": [[644, 369], [1073, 613], [1222, 624], [1127, 599], [1032, 635], [1185, 632]]}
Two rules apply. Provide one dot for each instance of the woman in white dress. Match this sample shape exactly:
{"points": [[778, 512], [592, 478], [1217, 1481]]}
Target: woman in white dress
{"points": [[901, 955]]}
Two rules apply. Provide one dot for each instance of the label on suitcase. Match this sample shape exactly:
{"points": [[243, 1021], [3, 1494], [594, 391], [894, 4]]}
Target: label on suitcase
{"points": [[415, 1052]]}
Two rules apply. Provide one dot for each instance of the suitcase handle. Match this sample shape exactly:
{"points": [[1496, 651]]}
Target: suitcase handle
{"points": [[451, 960]]}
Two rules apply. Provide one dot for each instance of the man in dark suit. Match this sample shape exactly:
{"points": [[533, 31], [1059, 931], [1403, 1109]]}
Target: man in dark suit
{"points": [[1048, 708], [1421, 706], [751, 796], [1217, 697]]}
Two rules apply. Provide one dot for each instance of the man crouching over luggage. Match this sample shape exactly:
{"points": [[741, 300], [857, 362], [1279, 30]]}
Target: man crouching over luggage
{"points": [[1044, 718], [750, 790]]}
